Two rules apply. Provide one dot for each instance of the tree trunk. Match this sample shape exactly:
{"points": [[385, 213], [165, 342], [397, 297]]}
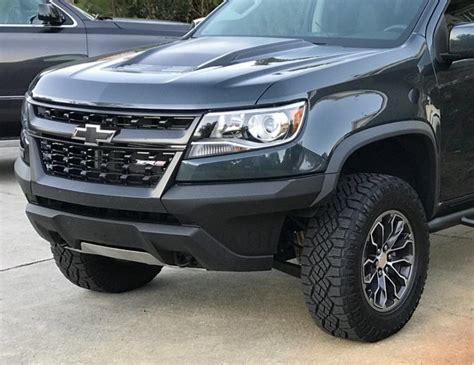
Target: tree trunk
{"points": [[114, 8]]}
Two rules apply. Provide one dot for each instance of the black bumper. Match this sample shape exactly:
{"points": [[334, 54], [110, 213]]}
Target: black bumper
{"points": [[224, 227]]}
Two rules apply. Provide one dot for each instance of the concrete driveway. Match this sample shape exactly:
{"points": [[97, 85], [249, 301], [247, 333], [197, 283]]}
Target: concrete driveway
{"points": [[197, 317]]}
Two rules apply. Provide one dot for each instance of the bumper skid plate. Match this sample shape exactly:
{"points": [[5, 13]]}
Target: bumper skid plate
{"points": [[149, 240]]}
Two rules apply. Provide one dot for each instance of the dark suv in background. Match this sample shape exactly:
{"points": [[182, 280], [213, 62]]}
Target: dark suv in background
{"points": [[325, 138], [35, 35]]}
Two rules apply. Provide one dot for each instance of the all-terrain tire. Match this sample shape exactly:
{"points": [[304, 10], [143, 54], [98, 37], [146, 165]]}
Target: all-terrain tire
{"points": [[101, 274], [333, 252]]}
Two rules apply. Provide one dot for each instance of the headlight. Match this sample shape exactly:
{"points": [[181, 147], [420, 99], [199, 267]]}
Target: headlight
{"points": [[24, 142], [24, 114], [24, 147], [232, 132]]}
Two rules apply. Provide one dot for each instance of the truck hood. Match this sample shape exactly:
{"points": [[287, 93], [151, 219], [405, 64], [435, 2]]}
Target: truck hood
{"points": [[191, 74], [160, 27]]}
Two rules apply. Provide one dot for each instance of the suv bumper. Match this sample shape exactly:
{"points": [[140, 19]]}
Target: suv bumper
{"points": [[224, 227]]}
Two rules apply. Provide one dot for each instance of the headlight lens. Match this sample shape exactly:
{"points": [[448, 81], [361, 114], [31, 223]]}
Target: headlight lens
{"points": [[24, 147], [232, 132], [24, 114], [24, 142]]}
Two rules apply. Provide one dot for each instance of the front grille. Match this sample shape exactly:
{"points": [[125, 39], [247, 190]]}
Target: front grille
{"points": [[106, 165], [114, 120]]}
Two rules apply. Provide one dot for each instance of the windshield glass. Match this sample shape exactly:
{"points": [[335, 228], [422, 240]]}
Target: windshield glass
{"points": [[83, 12], [368, 23]]}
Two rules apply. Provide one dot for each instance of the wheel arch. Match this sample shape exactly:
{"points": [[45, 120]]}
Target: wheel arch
{"points": [[413, 140]]}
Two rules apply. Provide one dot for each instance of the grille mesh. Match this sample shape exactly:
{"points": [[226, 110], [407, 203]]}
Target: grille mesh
{"points": [[114, 121], [106, 165]]}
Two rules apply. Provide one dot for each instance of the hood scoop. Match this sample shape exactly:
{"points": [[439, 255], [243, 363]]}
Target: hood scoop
{"points": [[255, 53], [202, 53], [139, 68]]}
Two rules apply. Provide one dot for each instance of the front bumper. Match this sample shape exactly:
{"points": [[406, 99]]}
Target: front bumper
{"points": [[223, 227]]}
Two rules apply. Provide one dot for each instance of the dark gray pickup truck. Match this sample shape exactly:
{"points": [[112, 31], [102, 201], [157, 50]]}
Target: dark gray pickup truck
{"points": [[323, 138], [35, 35]]}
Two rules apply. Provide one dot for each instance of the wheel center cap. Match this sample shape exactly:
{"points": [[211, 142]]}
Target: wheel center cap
{"points": [[382, 261]]}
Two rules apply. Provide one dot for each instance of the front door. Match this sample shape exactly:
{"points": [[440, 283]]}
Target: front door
{"points": [[26, 48], [456, 86]]}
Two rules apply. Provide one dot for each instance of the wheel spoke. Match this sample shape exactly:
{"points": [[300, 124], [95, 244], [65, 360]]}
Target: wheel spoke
{"points": [[374, 295], [405, 244], [392, 225], [407, 261], [383, 291], [368, 281], [373, 240], [404, 279], [395, 234], [395, 290], [369, 261]]}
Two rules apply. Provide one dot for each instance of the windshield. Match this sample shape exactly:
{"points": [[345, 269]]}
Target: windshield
{"points": [[367, 23], [83, 12]]}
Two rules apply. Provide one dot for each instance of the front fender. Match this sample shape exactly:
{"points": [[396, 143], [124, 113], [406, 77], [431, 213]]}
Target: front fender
{"points": [[333, 118], [328, 122]]}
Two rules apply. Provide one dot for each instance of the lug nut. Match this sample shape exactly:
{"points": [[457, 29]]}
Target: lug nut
{"points": [[385, 248], [386, 269], [380, 272], [379, 251]]}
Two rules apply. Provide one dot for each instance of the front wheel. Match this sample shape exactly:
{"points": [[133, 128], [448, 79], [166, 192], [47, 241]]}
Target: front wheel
{"points": [[99, 273], [365, 258]]}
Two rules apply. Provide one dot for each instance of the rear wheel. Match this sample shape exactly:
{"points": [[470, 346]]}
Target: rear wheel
{"points": [[365, 258], [99, 273]]}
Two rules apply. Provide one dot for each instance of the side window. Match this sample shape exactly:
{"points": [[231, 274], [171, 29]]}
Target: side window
{"points": [[23, 12], [460, 11], [18, 12]]}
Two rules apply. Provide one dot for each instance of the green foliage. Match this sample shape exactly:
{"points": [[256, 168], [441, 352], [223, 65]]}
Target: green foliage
{"points": [[180, 10]]}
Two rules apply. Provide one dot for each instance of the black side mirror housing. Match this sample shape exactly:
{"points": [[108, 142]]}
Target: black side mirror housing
{"points": [[461, 42], [49, 15]]}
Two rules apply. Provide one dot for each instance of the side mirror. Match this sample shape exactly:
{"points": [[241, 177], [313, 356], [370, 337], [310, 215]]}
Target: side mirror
{"points": [[196, 22], [461, 42], [49, 15]]}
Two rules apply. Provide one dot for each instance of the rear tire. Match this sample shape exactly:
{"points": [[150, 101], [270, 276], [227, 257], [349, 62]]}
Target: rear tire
{"points": [[101, 274], [339, 297]]}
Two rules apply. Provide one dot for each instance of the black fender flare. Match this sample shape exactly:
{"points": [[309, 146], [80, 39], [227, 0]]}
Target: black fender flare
{"points": [[349, 145]]}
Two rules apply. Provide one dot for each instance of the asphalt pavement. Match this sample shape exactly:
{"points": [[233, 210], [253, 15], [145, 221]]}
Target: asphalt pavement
{"points": [[196, 317]]}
